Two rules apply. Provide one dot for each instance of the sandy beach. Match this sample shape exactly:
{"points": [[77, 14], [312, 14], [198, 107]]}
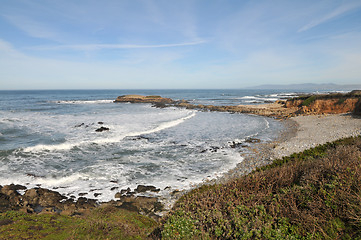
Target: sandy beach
{"points": [[318, 129]]}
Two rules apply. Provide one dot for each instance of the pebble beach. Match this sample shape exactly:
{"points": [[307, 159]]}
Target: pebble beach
{"points": [[313, 130]]}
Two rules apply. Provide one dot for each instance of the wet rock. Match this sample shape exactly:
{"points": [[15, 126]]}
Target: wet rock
{"points": [[102, 129], [144, 188], [118, 195], [214, 149], [124, 191], [137, 138], [252, 140], [235, 144]]}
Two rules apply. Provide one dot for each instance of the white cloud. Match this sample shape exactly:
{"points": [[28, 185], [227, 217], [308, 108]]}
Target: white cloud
{"points": [[32, 27], [332, 15], [92, 47]]}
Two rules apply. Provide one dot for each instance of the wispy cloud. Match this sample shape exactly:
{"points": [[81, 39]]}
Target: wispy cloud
{"points": [[93, 47], [334, 14], [31, 27]]}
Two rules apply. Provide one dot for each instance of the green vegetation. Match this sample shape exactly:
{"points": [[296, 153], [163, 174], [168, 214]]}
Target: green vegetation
{"points": [[102, 223], [311, 195], [151, 96], [309, 100]]}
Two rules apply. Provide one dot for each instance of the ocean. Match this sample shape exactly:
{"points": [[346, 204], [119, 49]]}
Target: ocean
{"points": [[48, 139]]}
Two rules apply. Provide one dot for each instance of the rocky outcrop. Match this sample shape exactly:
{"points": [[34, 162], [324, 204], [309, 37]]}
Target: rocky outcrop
{"points": [[326, 104], [276, 109], [303, 105], [41, 200], [143, 99]]}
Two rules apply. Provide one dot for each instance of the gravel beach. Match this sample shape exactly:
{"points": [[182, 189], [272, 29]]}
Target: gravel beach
{"points": [[300, 133], [318, 129]]}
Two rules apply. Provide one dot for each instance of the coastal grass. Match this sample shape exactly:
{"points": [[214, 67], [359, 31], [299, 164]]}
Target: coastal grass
{"points": [[315, 194], [101, 223]]}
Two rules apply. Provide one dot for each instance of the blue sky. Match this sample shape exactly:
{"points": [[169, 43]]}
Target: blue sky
{"points": [[138, 44]]}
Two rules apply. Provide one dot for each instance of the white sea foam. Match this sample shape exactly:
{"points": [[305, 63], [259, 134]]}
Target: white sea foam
{"points": [[103, 101], [107, 139]]}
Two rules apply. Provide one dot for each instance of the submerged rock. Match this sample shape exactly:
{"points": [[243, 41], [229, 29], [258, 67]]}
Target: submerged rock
{"points": [[102, 129]]}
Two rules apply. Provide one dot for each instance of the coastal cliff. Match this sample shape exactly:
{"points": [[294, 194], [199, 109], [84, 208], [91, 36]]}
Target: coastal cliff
{"points": [[327, 103]]}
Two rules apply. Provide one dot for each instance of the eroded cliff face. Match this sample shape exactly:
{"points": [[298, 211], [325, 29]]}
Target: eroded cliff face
{"points": [[334, 105]]}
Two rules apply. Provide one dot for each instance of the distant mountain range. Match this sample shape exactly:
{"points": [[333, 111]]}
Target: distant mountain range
{"points": [[310, 86]]}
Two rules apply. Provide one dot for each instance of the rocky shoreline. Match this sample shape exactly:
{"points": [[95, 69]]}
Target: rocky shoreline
{"points": [[299, 132], [40, 200], [302, 105]]}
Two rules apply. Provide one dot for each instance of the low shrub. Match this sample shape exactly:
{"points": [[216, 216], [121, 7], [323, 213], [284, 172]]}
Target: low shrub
{"points": [[312, 195], [309, 100]]}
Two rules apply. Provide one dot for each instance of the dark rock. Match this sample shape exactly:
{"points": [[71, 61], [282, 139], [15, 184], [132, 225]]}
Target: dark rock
{"points": [[80, 125], [82, 194], [43, 197], [252, 140], [214, 149], [100, 122], [101, 129], [143, 188], [114, 188], [147, 205], [235, 144], [5, 203], [137, 138], [97, 194], [13, 187], [124, 191], [86, 203]]}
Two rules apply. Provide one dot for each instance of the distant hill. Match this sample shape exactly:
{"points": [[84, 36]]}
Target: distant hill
{"points": [[310, 86]]}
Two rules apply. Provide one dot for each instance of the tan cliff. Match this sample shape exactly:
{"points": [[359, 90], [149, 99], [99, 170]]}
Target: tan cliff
{"points": [[327, 104]]}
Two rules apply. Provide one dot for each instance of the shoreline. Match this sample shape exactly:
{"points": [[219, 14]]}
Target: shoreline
{"points": [[300, 132]]}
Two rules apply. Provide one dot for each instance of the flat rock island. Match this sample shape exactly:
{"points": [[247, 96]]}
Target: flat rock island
{"points": [[143, 99]]}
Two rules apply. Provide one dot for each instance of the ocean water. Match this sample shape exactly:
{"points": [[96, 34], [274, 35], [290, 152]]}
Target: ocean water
{"points": [[49, 139]]}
